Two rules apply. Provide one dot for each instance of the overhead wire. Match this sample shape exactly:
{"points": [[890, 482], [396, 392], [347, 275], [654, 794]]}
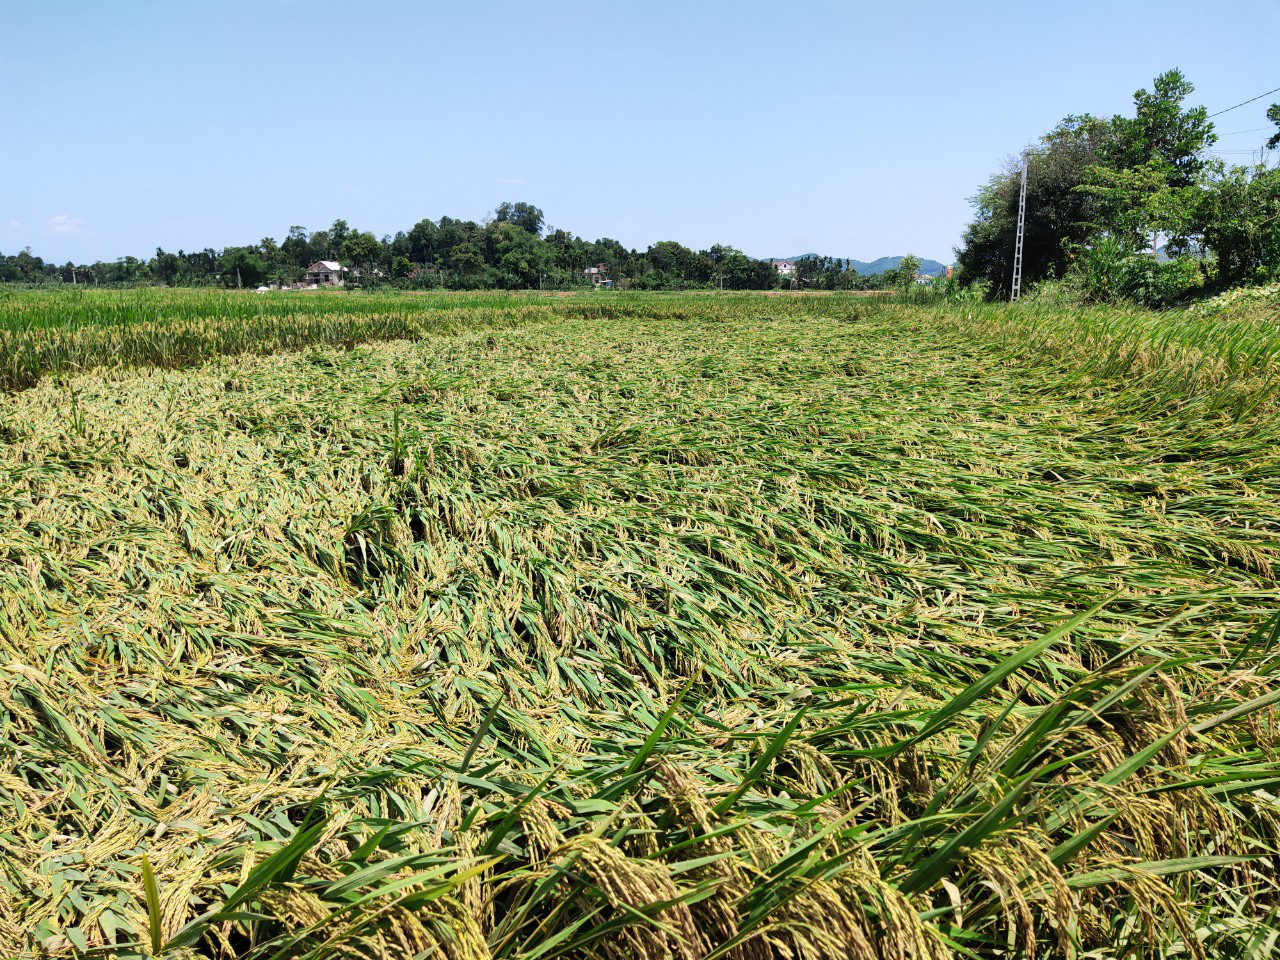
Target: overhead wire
{"points": [[1243, 103]]}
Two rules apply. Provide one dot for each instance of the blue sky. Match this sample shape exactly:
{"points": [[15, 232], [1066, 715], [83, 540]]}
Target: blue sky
{"points": [[844, 128]]}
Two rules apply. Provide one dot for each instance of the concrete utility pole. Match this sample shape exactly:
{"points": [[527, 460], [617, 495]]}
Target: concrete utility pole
{"points": [[1022, 221]]}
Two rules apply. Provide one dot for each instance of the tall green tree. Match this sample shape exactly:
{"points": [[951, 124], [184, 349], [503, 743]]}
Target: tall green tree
{"points": [[1240, 217], [906, 272], [165, 266], [1151, 165], [674, 264], [523, 215], [422, 242], [242, 267], [337, 237], [1061, 216], [363, 250], [1163, 134], [297, 249], [522, 257]]}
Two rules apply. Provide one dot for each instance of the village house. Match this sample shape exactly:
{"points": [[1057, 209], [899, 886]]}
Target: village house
{"points": [[785, 268], [326, 273], [597, 276]]}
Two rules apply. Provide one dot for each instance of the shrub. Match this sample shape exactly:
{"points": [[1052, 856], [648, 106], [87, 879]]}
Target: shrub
{"points": [[1109, 272], [1152, 283], [1066, 292]]}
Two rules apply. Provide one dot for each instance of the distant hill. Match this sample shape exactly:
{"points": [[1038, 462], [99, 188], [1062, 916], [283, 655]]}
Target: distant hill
{"points": [[931, 267]]}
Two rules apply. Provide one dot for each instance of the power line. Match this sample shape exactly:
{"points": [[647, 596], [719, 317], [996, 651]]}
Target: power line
{"points": [[1229, 109]]}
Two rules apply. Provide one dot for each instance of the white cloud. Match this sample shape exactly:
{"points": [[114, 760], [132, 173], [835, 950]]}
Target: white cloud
{"points": [[65, 224], [14, 225]]}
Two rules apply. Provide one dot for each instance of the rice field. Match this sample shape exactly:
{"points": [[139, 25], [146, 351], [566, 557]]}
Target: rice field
{"points": [[635, 626]]}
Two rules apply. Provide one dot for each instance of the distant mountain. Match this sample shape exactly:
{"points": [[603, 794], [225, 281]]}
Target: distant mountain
{"points": [[931, 267], [1194, 250]]}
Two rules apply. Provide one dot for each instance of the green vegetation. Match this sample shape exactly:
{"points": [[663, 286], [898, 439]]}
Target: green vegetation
{"points": [[638, 626], [511, 250], [60, 330], [1132, 208]]}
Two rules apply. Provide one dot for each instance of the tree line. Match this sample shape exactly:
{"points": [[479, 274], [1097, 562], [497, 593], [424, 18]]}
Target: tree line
{"points": [[511, 249], [1131, 207]]}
